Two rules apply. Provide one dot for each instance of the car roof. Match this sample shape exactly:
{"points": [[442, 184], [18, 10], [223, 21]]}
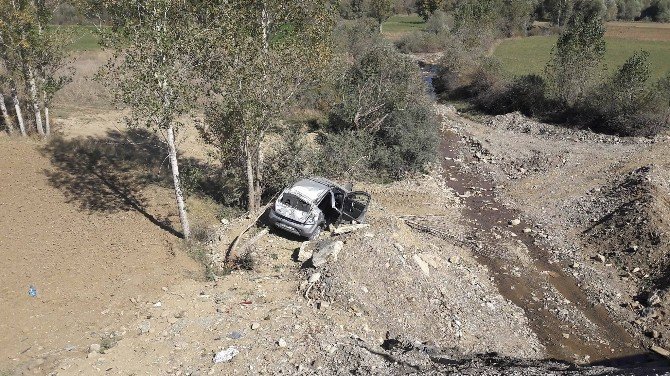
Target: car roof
{"points": [[313, 188]]}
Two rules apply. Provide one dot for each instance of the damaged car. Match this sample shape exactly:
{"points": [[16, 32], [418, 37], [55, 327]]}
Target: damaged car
{"points": [[311, 204]]}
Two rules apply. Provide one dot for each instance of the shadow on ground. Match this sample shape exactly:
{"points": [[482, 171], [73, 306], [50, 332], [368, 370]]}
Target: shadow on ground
{"points": [[110, 173]]}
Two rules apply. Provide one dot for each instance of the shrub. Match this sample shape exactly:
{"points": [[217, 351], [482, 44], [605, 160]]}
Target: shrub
{"points": [[439, 23], [625, 104], [384, 121], [67, 14], [289, 160], [577, 55], [420, 42], [245, 261], [659, 11]]}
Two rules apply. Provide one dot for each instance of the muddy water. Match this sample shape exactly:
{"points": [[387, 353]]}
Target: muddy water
{"points": [[609, 344]]}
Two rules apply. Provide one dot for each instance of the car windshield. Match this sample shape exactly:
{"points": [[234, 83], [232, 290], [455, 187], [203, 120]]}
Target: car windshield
{"points": [[295, 202]]}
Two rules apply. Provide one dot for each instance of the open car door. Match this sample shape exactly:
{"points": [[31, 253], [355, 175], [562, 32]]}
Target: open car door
{"points": [[354, 207]]}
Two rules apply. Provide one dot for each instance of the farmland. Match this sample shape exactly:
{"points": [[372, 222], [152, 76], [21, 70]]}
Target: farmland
{"points": [[530, 55]]}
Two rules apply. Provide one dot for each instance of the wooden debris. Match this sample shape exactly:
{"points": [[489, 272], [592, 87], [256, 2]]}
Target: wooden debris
{"points": [[350, 228], [253, 240], [660, 351]]}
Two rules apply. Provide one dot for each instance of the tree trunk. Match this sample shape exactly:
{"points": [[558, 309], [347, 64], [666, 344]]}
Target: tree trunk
{"points": [[251, 186], [179, 195], [5, 115], [259, 168], [47, 120], [36, 104], [19, 114]]}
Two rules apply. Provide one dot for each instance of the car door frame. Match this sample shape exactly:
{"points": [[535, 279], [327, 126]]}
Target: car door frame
{"points": [[346, 216]]}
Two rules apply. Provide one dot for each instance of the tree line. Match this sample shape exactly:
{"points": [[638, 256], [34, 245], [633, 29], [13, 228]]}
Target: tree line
{"points": [[32, 58]]}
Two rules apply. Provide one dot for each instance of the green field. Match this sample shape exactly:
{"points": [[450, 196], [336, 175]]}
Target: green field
{"points": [[530, 55], [84, 38], [402, 23]]}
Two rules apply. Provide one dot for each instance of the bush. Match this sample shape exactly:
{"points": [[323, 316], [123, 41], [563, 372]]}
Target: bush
{"points": [[288, 161], [495, 95], [626, 105], [346, 154], [659, 11], [439, 23], [420, 42], [67, 14], [384, 123]]}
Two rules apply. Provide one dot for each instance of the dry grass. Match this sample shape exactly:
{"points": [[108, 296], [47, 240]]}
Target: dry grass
{"points": [[646, 31], [84, 92]]}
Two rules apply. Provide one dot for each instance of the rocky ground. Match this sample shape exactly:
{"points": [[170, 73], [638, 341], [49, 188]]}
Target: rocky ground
{"points": [[599, 204], [487, 265]]}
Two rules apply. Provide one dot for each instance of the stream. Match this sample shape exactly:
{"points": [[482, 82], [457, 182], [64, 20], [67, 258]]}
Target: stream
{"points": [[486, 216]]}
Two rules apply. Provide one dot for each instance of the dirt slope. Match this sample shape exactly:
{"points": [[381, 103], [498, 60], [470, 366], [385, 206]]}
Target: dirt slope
{"points": [[86, 265]]}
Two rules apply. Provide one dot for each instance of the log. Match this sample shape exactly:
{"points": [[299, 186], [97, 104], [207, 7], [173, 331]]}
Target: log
{"points": [[660, 351], [349, 228], [253, 240], [231, 250]]}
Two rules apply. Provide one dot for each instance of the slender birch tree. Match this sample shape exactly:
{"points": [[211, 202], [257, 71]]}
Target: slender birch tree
{"points": [[5, 115], [3, 107], [15, 19], [151, 72], [51, 59]]}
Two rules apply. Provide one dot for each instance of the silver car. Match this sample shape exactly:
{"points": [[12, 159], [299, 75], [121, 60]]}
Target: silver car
{"points": [[311, 204]]}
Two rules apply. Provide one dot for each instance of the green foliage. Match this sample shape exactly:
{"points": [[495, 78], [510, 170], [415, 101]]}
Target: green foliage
{"points": [[288, 160], [517, 16], [628, 9], [439, 22], [505, 17], [557, 11], [472, 13], [31, 51], [66, 13], [427, 7], [354, 37], [384, 121], [259, 59], [624, 99], [151, 72], [420, 42], [404, 6], [380, 10], [351, 9], [577, 54], [659, 11]]}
